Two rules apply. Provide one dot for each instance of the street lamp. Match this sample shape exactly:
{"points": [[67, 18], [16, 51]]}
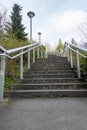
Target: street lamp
{"points": [[31, 15], [39, 33]]}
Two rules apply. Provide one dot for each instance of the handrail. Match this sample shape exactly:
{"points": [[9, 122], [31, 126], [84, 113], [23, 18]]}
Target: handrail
{"points": [[17, 49], [76, 46], [20, 51], [68, 48]]}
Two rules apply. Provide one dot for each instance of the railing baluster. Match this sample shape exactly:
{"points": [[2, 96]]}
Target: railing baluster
{"points": [[2, 77], [71, 59], [68, 55], [21, 65], [46, 54], [37, 52], [28, 59], [41, 54], [34, 55], [78, 65]]}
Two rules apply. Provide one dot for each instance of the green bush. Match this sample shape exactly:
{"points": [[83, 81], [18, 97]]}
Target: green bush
{"points": [[13, 66], [83, 66], [8, 83]]}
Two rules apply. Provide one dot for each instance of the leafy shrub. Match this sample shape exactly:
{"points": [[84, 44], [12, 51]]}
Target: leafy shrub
{"points": [[83, 67]]}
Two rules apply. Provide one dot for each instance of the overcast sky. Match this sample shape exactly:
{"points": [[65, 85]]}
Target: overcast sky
{"points": [[53, 18]]}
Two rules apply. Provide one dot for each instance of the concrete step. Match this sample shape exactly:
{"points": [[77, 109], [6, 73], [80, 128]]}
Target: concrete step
{"points": [[46, 93], [49, 72], [56, 57], [51, 80], [50, 66], [72, 75], [51, 63], [49, 86], [52, 69]]}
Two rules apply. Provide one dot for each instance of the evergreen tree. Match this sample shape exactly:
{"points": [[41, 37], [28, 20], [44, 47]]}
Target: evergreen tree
{"points": [[59, 46], [16, 22]]}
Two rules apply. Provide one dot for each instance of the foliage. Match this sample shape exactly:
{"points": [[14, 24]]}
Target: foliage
{"points": [[17, 27], [73, 41], [83, 65], [84, 68], [8, 83], [11, 38], [10, 43], [2, 25], [59, 46], [43, 47]]}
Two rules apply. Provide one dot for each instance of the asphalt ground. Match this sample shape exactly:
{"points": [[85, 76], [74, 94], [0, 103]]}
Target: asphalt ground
{"points": [[44, 114]]}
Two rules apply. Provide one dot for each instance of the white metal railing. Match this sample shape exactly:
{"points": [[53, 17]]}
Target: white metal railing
{"points": [[19, 53], [68, 49]]}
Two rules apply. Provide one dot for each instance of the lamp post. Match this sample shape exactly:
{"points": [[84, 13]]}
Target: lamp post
{"points": [[39, 33], [31, 15]]}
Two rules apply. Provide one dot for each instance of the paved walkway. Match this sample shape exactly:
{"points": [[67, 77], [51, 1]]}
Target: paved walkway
{"points": [[44, 114]]}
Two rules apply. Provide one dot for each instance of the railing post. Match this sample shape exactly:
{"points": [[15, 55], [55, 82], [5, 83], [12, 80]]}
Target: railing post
{"points": [[78, 64], [28, 59], [46, 54], [71, 59], [2, 77], [68, 55], [37, 52], [41, 54], [21, 65], [34, 55], [65, 52]]}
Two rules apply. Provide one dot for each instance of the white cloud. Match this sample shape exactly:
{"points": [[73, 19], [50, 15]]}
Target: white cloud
{"points": [[67, 21]]}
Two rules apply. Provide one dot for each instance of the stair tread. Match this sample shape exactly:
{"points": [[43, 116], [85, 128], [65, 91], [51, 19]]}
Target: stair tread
{"points": [[51, 78], [51, 74], [51, 83], [49, 90]]}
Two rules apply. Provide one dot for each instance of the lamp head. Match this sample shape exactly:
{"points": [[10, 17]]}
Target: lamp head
{"points": [[39, 33], [31, 14]]}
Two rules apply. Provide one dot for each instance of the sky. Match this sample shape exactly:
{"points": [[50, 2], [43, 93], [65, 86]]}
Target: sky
{"points": [[55, 19]]}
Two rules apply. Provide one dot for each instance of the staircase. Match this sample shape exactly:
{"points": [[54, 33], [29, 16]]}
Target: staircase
{"points": [[49, 78]]}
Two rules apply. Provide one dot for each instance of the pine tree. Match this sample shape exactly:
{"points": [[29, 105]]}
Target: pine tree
{"points": [[16, 22]]}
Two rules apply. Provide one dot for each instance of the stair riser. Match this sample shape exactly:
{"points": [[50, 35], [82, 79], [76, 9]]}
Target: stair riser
{"points": [[50, 76], [51, 60], [37, 73], [45, 94], [52, 72], [51, 67], [42, 87], [51, 64], [49, 81]]}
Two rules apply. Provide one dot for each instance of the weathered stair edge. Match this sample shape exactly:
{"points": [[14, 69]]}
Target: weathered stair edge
{"points": [[45, 93], [49, 86]]}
